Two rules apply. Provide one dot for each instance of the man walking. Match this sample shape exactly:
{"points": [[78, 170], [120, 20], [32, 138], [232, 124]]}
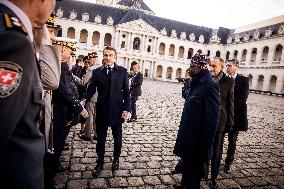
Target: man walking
{"points": [[240, 108], [135, 89], [198, 123], [113, 105], [226, 120]]}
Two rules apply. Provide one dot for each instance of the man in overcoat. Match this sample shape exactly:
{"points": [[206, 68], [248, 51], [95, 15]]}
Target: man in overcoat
{"points": [[198, 123], [240, 108], [113, 105], [226, 120]]}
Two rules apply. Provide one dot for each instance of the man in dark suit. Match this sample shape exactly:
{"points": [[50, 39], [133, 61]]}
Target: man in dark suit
{"points": [[135, 89], [113, 105], [240, 105], [198, 123], [21, 142], [226, 120]]}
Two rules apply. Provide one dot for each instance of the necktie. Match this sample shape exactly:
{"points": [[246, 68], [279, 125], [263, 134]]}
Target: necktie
{"points": [[109, 72]]}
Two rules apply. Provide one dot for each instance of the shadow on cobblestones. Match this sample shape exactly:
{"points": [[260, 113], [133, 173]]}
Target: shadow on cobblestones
{"points": [[147, 158]]}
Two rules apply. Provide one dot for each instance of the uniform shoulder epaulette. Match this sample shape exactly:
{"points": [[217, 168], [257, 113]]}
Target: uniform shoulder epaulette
{"points": [[11, 23]]}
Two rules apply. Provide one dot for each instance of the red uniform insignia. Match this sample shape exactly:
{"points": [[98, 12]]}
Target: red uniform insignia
{"points": [[10, 78]]}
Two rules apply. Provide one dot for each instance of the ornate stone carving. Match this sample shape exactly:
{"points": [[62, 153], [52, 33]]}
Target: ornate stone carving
{"points": [[201, 38], [110, 21], [215, 38], [268, 32], [281, 30], [192, 37], [59, 13], [174, 33], [73, 15], [229, 40], [85, 17], [247, 37], [139, 25], [163, 31], [256, 35], [136, 4], [183, 35], [98, 19], [237, 38]]}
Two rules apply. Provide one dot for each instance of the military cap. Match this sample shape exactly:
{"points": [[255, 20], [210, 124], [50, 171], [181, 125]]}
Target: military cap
{"points": [[92, 55], [200, 59], [86, 58], [51, 20], [67, 42]]}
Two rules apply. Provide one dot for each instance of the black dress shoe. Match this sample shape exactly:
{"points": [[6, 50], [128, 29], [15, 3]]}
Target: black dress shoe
{"points": [[227, 168], [178, 168], [213, 184], [96, 172], [115, 165]]}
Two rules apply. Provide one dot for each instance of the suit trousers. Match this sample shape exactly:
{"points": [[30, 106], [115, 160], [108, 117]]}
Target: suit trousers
{"points": [[101, 140], [217, 154], [90, 121], [232, 143], [133, 106]]}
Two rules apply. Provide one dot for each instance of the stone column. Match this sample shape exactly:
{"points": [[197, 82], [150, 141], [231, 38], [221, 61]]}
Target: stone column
{"points": [[239, 57], [266, 83], [129, 41], [116, 38], [258, 57], [154, 69], [101, 42], [270, 56], [185, 53], [64, 32], [155, 45], [248, 57], [174, 74], [77, 36], [90, 38], [176, 52], [282, 57], [167, 49], [254, 83]]}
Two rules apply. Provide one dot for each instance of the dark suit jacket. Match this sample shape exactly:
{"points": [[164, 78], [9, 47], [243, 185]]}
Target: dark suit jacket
{"points": [[241, 95], [113, 98], [135, 86], [226, 120], [199, 120], [21, 142]]}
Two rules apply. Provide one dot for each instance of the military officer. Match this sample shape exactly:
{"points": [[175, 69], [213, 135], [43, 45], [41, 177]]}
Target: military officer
{"points": [[64, 98], [21, 142]]}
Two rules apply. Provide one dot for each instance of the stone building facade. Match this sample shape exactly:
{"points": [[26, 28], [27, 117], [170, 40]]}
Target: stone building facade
{"points": [[164, 47]]}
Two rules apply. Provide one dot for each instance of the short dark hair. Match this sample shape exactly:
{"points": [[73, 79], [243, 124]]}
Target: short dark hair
{"points": [[234, 61], [110, 49], [219, 59], [78, 60]]}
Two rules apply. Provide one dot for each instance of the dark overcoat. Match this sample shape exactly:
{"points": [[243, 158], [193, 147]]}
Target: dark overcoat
{"points": [[241, 95], [199, 119], [21, 142], [113, 95], [226, 120]]}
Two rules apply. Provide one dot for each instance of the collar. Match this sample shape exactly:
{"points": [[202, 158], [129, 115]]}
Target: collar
{"points": [[234, 76], [21, 15], [114, 66], [219, 76], [202, 76]]}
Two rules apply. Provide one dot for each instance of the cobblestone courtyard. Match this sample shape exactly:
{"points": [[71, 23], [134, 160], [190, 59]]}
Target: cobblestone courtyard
{"points": [[147, 158]]}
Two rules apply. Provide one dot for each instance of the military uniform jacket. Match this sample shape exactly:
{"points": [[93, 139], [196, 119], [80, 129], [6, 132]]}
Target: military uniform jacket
{"points": [[241, 95], [66, 94], [21, 142], [113, 96], [135, 86]]}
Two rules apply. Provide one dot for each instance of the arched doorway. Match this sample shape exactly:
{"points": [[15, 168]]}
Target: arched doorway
{"points": [[253, 55], [278, 53], [71, 33], [272, 84], [83, 36], [159, 71], [244, 55], [250, 80], [169, 73], [162, 49], [178, 73], [107, 39], [264, 54], [181, 52], [190, 53], [172, 50], [96, 38], [260, 82]]}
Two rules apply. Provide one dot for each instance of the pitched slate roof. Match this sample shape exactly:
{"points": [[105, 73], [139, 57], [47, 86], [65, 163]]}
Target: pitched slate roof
{"points": [[126, 15]]}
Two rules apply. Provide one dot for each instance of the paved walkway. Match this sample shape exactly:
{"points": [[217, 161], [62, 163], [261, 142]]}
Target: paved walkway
{"points": [[148, 159]]}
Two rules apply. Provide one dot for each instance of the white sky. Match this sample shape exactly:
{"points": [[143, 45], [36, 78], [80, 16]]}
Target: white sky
{"points": [[216, 13]]}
